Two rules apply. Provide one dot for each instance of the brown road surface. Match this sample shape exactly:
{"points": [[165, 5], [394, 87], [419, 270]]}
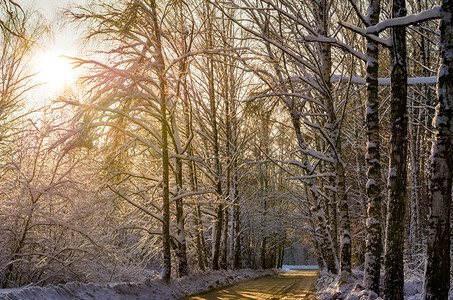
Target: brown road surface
{"points": [[297, 284]]}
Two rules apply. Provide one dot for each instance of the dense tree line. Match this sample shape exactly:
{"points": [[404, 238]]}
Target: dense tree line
{"points": [[219, 134]]}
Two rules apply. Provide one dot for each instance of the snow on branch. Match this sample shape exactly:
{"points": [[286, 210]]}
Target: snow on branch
{"points": [[304, 177], [318, 155], [189, 194], [186, 157], [385, 81], [326, 136], [384, 42], [430, 14], [133, 203]]}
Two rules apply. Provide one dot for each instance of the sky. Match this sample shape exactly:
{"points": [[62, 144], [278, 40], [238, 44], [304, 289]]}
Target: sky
{"points": [[63, 41], [48, 8]]}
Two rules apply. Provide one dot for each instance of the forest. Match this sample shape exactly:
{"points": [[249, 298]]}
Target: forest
{"points": [[197, 135]]}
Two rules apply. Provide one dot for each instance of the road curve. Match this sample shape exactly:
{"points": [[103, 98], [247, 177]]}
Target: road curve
{"points": [[296, 284]]}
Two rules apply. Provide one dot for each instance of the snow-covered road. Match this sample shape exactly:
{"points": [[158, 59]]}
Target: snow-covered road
{"points": [[296, 284]]}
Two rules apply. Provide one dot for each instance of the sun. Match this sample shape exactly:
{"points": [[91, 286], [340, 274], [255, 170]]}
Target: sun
{"points": [[55, 71]]}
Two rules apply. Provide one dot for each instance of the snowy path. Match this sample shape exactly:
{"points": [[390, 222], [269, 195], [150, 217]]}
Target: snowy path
{"points": [[297, 284]]}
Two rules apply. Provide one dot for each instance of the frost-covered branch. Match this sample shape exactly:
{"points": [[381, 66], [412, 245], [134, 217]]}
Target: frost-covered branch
{"points": [[384, 42], [186, 157], [133, 203], [430, 14], [189, 194]]}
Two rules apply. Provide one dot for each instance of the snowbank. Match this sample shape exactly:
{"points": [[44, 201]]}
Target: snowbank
{"points": [[343, 287], [350, 287], [150, 289]]}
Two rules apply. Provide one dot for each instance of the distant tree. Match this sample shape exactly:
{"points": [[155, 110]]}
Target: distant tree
{"points": [[18, 41], [45, 187]]}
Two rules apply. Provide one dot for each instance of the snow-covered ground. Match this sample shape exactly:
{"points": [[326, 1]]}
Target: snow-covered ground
{"points": [[150, 289], [350, 288]]}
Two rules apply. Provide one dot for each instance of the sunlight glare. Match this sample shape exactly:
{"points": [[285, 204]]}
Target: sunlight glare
{"points": [[55, 71]]}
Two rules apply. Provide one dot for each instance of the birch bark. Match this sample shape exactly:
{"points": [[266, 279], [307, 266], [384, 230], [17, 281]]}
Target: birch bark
{"points": [[437, 268], [372, 270]]}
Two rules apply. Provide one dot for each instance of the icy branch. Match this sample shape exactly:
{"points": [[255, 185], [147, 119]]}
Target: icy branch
{"points": [[326, 136], [430, 14]]}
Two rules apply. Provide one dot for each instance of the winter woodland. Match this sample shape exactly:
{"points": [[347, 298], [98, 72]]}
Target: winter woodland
{"points": [[213, 135]]}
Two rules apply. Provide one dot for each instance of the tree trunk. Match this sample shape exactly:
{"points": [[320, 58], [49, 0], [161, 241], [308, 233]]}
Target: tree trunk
{"points": [[217, 238], [345, 226], [397, 184], [215, 138], [160, 66], [263, 253], [237, 263], [224, 252], [372, 272], [181, 249], [437, 269], [322, 14]]}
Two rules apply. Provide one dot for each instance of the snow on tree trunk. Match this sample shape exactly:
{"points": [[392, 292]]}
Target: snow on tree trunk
{"points": [[181, 247], [345, 225], [397, 181], [325, 242], [437, 268], [333, 213], [323, 22], [372, 272]]}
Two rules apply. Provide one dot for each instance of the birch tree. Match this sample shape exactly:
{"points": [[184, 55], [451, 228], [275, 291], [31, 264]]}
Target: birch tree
{"points": [[437, 269], [372, 270]]}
